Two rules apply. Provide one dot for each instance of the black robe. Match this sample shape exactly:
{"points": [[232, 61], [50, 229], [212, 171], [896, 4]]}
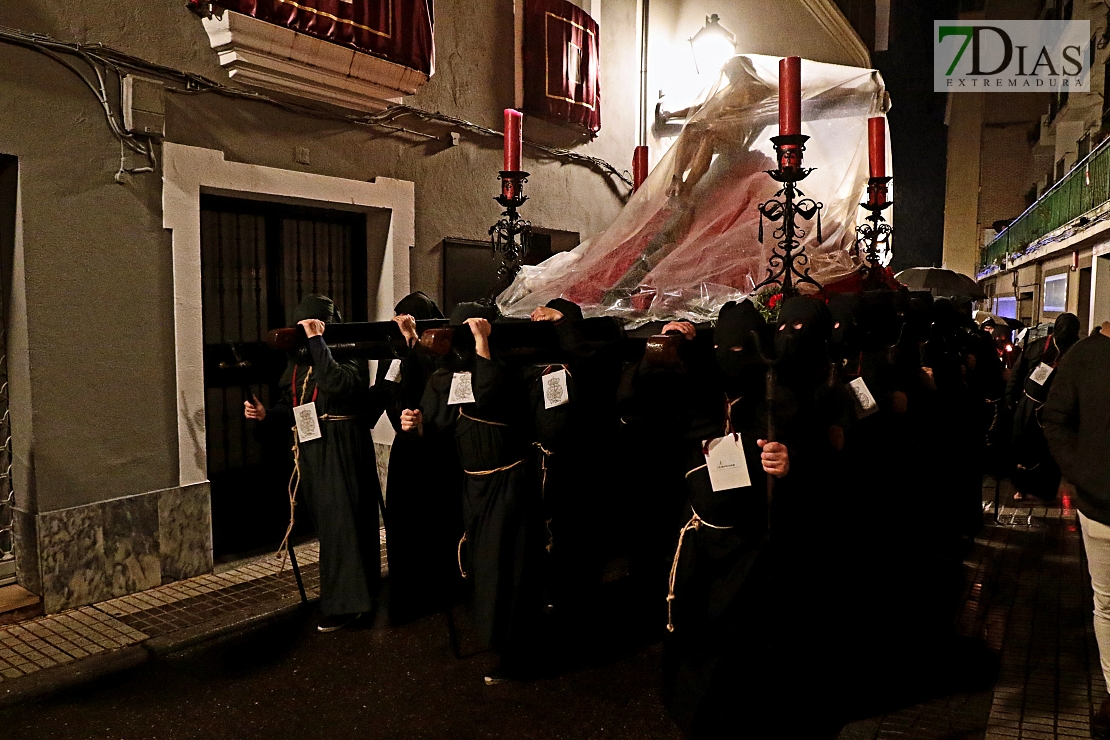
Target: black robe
{"points": [[339, 479], [715, 662], [1035, 471], [423, 518], [501, 504]]}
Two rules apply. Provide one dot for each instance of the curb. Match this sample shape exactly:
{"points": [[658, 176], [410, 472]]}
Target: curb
{"points": [[237, 621], [50, 681]]}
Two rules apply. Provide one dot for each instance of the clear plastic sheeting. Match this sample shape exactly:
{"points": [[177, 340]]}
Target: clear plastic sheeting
{"points": [[688, 240]]}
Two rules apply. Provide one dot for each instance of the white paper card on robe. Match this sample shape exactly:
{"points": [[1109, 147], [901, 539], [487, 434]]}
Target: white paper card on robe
{"points": [[865, 402], [1041, 373], [462, 390], [728, 468], [555, 391], [393, 374], [308, 423]]}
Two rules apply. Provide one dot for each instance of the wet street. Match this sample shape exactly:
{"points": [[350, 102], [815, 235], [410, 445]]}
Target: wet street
{"points": [[1021, 664]]}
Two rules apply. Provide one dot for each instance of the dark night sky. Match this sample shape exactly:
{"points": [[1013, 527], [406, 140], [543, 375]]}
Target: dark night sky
{"points": [[918, 134]]}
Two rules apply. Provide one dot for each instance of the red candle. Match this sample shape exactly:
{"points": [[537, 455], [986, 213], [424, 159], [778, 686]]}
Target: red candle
{"points": [[512, 139], [790, 96], [639, 167], [876, 145]]}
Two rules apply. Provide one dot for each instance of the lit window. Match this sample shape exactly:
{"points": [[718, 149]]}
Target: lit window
{"points": [[1006, 307], [1056, 293]]}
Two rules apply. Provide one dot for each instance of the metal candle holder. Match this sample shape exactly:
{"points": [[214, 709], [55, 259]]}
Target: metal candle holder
{"points": [[787, 265], [511, 235], [874, 237]]}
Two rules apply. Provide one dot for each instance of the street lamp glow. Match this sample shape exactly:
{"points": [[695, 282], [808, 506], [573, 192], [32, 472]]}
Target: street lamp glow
{"points": [[712, 46]]}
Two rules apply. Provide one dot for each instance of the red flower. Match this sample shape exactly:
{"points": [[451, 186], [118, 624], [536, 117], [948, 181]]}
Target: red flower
{"points": [[774, 300]]}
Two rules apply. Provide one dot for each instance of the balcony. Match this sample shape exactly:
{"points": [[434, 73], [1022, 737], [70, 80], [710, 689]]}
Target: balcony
{"points": [[1068, 203]]}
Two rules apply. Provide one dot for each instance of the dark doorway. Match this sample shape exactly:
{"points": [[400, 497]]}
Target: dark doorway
{"points": [[1084, 309], [9, 196], [258, 260]]}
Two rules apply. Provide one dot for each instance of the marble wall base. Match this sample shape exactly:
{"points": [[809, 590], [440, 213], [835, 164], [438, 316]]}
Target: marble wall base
{"points": [[91, 553], [27, 571]]}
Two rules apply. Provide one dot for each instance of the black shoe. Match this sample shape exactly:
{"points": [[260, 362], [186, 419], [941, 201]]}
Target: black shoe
{"points": [[337, 622], [1100, 723], [497, 676]]}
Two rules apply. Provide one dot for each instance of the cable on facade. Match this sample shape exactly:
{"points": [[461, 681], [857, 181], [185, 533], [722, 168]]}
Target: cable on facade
{"points": [[100, 58]]}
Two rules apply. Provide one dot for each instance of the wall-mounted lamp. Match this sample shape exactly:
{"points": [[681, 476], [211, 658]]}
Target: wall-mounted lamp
{"points": [[712, 46]]}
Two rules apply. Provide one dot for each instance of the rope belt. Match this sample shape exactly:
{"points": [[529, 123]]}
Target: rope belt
{"points": [[700, 467], [695, 523], [461, 541], [480, 421], [546, 453], [337, 417], [501, 469], [295, 477]]}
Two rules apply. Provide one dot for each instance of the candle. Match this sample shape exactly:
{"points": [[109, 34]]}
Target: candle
{"points": [[512, 139], [790, 96], [876, 145], [639, 167]]}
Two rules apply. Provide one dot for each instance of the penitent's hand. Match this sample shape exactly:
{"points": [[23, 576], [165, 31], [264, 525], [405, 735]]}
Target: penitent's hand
{"points": [[481, 329], [688, 330], [775, 457], [254, 411], [407, 324], [312, 327], [412, 420], [543, 313]]}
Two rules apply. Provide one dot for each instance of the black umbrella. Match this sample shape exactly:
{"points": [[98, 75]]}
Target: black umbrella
{"points": [[940, 282]]}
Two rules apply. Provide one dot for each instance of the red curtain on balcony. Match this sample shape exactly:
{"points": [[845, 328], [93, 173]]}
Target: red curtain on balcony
{"points": [[397, 30], [561, 63]]}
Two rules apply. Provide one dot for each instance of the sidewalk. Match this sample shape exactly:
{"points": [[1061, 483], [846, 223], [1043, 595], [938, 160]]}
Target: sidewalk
{"points": [[45, 654], [1028, 598]]}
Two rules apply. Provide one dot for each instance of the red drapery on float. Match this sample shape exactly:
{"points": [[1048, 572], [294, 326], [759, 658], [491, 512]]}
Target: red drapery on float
{"points": [[561, 63], [397, 30]]}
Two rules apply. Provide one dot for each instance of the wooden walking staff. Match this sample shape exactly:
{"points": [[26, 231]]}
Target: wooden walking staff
{"points": [[770, 397]]}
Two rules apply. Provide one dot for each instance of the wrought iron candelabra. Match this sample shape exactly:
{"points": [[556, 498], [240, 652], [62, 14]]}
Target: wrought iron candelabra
{"points": [[788, 263], [874, 237], [511, 235]]}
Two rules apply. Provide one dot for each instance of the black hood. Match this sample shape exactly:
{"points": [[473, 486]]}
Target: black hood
{"points": [[737, 353], [464, 311], [570, 310], [846, 335], [884, 313], [1065, 332], [418, 306], [318, 307], [801, 340]]}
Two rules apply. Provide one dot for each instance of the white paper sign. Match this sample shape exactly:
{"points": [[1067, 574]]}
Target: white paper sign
{"points": [[308, 423], [728, 468], [1041, 373], [393, 374], [865, 402], [462, 391], [555, 391]]}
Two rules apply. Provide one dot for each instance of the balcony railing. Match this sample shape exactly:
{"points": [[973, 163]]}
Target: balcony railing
{"points": [[1085, 187]]}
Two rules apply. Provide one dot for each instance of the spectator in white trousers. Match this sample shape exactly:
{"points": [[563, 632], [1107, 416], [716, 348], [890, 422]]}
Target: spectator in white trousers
{"points": [[1077, 427]]}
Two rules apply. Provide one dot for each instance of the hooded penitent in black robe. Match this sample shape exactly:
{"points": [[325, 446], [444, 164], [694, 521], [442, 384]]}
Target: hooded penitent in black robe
{"points": [[715, 660], [569, 437], [504, 540], [338, 472], [1035, 471], [423, 518]]}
